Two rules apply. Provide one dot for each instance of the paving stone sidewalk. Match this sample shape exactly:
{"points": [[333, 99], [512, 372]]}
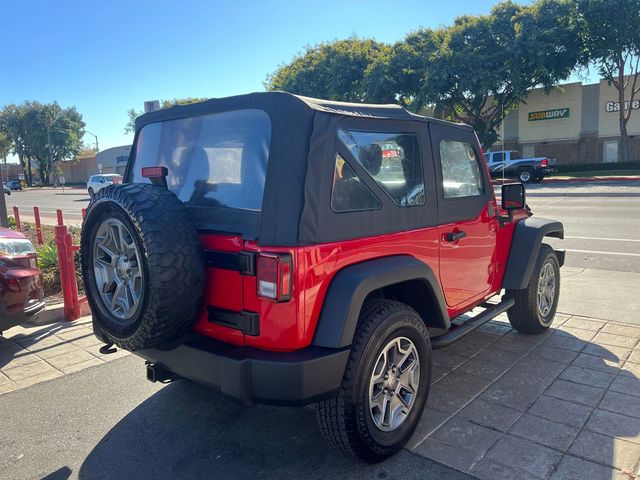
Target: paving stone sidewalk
{"points": [[562, 405], [32, 354]]}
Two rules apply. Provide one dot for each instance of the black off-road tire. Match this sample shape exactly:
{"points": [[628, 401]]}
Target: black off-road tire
{"points": [[172, 264], [523, 172], [525, 315], [345, 419]]}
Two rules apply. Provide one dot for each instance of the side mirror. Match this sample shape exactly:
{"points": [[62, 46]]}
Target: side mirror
{"points": [[513, 197]]}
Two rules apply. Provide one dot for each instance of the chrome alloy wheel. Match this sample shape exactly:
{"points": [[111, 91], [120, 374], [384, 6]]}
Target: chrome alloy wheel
{"points": [[117, 269], [525, 176], [546, 289], [394, 384]]}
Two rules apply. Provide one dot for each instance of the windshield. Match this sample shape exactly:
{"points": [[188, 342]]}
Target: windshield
{"points": [[216, 160], [15, 246]]}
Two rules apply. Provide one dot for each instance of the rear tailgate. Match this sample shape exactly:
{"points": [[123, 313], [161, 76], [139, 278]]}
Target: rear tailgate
{"points": [[224, 286]]}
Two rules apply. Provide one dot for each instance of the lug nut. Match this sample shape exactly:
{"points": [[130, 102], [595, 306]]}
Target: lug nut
{"points": [[386, 376]]}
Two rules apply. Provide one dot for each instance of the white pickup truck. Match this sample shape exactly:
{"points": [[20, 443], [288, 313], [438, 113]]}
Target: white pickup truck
{"points": [[507, 163]]}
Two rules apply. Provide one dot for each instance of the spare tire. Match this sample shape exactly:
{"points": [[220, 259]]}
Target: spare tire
{"points": [[142, 265]]}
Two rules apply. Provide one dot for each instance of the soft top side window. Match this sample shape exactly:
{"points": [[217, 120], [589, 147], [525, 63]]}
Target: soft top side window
{"points": [[461, 176], [349, 193], [393, 161]]}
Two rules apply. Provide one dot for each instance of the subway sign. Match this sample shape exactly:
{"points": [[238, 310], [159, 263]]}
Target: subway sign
{"points": [[549, 114]]}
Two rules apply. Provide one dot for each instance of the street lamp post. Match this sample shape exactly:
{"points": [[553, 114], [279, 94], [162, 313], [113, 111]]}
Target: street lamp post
{"points": [[94, 136]]}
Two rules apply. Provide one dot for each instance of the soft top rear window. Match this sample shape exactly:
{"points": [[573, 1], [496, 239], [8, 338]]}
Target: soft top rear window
{"points": [[217, 160]]}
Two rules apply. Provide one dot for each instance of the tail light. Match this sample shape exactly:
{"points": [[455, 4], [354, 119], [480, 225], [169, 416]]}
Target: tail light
{"points": [[157, 175], [273, 275], [544, 162], [13, 284]]}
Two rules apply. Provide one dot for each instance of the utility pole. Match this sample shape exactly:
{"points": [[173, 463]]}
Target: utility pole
{"points": [[4, 220], [50, 167], [94, 136]]}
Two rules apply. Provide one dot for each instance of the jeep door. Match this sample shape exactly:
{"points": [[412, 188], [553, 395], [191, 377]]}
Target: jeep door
{"points": [[466, 215]]}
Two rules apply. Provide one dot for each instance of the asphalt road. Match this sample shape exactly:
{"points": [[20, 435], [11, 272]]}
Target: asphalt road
{"points": [[601, 221], [108, 422], [48, 200]]}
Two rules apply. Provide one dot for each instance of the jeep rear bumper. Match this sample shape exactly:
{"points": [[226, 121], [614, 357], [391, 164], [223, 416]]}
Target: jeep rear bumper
{"points": [[252, 375]]}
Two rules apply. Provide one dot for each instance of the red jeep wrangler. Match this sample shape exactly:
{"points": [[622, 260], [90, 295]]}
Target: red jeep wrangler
{"points": [[288, 250]]}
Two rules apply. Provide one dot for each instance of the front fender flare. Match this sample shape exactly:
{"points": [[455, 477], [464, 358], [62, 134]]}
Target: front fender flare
{"points": [[351, 285], [525, 246]]}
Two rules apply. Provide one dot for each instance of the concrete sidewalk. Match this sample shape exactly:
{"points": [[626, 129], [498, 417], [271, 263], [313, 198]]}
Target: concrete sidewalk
{"points": [[603, 294], [33, 354], [562, 405]]}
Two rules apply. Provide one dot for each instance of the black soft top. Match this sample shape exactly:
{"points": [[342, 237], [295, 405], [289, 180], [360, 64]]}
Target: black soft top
{"points": [[295, 210], [282, 102]]}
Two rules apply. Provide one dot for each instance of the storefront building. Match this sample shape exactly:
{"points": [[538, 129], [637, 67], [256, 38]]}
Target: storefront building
{"points": [[113, 160], [573, 124]]}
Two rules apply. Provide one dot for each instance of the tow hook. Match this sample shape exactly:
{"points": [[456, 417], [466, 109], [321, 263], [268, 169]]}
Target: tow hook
{"points": [[157, 373]]}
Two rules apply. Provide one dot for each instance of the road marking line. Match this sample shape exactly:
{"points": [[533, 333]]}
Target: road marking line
{"points": [[602, 238], [603, 253]]}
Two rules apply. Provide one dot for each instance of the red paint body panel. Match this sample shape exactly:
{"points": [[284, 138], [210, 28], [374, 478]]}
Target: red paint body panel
{"points": [[467, 265], [290, 325]]}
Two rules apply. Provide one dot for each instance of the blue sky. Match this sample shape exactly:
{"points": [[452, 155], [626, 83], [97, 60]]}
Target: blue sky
{"points": [[105, 57]]}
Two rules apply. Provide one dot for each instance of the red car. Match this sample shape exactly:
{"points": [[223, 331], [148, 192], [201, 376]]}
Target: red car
{"points": [[21, 292]]}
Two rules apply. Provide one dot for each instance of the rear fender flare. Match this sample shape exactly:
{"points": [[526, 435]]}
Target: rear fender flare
{"points": [[351, 285], [525, 246]]}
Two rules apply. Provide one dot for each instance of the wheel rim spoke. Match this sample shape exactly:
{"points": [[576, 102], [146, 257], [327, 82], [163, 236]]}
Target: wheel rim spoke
{"points": [[394, 383], [546, 290], [117, 269]]}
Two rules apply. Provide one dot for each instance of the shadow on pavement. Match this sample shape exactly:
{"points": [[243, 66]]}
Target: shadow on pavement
{"points": [[189, 431]]}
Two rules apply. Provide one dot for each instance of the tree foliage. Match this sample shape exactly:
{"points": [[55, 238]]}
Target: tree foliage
{"points": [[486, 65], [333, 70], [610, 39], [132, 113], [471, 71], [42, 135], [5, 146]]}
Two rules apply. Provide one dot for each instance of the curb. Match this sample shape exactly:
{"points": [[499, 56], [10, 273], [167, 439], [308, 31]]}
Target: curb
{"points": [[590, 179], [55, 314]]}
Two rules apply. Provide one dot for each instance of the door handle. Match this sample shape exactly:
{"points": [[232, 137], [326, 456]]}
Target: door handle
{"points": [[454, 236]]}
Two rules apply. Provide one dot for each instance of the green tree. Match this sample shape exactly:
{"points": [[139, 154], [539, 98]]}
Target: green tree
{"points": [[398, 75], [56, 135], [132, 113], [333, 70], [485, 65], [610, 39], [14, 124]]}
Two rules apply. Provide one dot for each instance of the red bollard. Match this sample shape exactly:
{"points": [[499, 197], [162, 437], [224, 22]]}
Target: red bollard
{"points": [[60, 219], [16, 215], [70, 252], [84, 213], [36, 215], [68, 282]]}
